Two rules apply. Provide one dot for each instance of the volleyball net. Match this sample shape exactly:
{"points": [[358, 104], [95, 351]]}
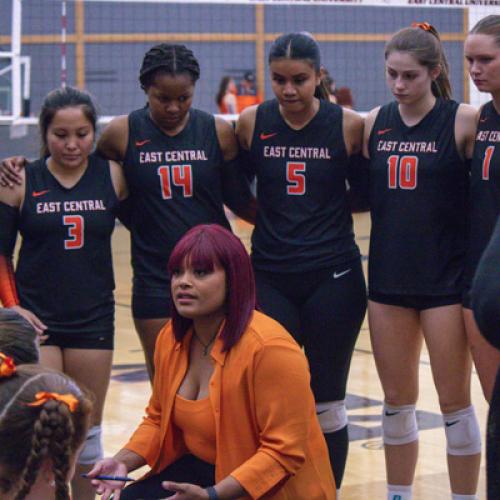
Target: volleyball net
{"points": [[98, 45]]}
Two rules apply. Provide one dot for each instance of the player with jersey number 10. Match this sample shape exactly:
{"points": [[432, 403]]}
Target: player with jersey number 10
{"points": [[418, 146]]}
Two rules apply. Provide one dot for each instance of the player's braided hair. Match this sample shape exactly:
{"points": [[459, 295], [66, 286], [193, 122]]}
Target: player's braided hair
{"points": [[30, 435], [423, 42], [53, 433], [300, 46], [170, 59]]}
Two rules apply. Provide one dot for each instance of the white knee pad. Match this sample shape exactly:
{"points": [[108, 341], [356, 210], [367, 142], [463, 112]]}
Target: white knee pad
{"points": [[462, 432], [332, 415], [399, 424], [92, 449]]}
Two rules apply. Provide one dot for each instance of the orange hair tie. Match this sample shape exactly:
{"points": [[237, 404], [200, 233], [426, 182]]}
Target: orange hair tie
{"points": [[422, 26], [68, 399], [7, 366]]}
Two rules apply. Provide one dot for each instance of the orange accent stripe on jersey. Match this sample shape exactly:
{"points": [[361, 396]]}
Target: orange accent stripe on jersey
{"points": [[8, 292]]}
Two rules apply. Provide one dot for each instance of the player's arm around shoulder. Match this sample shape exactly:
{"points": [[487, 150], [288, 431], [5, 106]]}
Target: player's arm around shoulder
{"points": [[227, 138], [14, 195], [114, 138], [352, 125], [245, 127], [369, 122], [465, 129], [118, 180]]}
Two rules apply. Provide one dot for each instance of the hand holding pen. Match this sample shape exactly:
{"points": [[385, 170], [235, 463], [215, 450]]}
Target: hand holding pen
{"points": [[109, 477]]}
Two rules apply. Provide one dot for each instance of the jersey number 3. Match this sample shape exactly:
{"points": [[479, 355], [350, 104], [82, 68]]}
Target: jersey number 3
{"points": [[178, 175], [402, 172], [75, 225], [296, 180]]}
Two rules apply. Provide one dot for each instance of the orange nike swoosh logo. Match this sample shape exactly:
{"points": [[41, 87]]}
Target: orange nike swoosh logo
{"points": [[141, 143], [384, 131], [263, 136], [35, 194]]}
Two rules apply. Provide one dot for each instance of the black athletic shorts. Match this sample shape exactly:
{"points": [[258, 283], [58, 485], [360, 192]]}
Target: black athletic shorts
{"points": [[91, 340], [148, 307], [418, 302]]}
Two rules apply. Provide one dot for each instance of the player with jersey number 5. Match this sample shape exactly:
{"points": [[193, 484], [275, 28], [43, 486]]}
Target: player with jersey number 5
{"points": [[419, 145], [301, 147], [63, 284]]}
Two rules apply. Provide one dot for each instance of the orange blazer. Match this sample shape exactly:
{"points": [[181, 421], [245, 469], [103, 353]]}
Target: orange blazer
{"points": [[267, 434]]}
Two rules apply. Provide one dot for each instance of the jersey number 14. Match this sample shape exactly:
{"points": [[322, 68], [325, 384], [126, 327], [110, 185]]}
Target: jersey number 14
{"points": [[177, 175]]}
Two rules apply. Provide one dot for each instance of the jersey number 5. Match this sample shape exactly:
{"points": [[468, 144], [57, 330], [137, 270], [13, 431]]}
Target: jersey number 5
{"points": [[75, 225], [488, 154], [295, 178], [178, 175], [402, 172]]}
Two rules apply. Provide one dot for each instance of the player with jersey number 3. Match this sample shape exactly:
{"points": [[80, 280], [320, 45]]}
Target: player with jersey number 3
{"points": [[63, 285], [419, 145]]}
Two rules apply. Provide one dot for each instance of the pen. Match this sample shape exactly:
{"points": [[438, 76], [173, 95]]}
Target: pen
{"points": [[109, 478]]}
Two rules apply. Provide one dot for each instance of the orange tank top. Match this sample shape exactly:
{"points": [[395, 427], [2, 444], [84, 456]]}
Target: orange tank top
{"points": [[196, 421]]}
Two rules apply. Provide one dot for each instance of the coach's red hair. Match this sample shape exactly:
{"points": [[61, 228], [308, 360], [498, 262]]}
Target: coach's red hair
{"points": [[205, 246]]}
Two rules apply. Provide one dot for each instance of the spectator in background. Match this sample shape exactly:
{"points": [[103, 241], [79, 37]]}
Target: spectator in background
{"points": [[247, 92], [226, 96], [329, 84], [344, 97]]}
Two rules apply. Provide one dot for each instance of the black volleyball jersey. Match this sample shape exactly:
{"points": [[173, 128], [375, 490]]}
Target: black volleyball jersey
{"points": [[485, 186], [175, 184], [64, 272], [418, 200], [303, 218]]}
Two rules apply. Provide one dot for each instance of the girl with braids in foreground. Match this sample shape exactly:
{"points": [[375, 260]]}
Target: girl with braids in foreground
{"points": [[179, 163], [44, 418], [418, 147]]}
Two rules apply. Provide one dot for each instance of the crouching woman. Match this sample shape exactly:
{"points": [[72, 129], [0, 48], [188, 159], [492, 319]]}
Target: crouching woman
{"points": [[232, 414]]}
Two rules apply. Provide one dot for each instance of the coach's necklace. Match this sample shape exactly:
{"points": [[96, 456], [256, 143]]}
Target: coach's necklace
{"points": [[206, 346]]}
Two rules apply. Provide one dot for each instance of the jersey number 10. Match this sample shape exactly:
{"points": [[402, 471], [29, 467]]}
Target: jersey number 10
{"points": [[402, 172]]}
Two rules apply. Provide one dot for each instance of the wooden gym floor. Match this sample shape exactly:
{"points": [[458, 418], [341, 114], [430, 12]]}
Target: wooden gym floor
{"points": [[365, 473]]}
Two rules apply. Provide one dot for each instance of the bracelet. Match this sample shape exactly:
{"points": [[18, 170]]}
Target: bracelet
{"points": [[212, 493]]}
